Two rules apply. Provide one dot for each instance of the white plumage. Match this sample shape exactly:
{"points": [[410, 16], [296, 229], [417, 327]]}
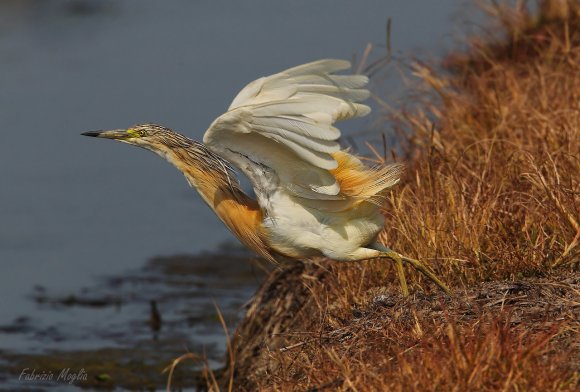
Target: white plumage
{"points": [[290, 115], [279, 132], [312, 198]]}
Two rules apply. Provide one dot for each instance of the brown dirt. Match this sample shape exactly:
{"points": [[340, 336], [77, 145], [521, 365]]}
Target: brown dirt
{"points": [[521, 324]]}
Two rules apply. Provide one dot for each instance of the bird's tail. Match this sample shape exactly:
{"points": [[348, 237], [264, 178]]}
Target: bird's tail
{"points": [[361, 182]]}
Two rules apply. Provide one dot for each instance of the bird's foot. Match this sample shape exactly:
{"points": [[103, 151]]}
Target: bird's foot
{"points": [[381, 251], [400, 271], [398, 259]]}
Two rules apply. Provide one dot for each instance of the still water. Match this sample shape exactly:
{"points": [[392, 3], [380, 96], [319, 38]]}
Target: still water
{"points": [[76, 212]]}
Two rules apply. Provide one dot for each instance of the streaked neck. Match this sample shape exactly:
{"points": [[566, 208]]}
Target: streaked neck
{"points": [[216, 184]]}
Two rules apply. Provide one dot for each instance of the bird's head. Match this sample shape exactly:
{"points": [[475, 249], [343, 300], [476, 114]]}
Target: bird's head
{"points": [[152, 137], [193, 159]]}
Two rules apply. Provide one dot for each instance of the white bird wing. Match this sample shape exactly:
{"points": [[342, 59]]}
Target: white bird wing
{"points": [[279, 129]]}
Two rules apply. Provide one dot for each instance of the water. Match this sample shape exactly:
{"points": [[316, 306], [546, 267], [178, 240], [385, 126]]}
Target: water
{"points": [[74, 210]]}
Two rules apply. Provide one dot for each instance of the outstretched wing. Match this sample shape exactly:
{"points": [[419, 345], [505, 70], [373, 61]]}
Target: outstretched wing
{"points": [[279, 129]]}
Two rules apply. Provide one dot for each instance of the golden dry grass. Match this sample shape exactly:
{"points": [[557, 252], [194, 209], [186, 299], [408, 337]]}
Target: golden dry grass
{"points": [[491, 200], [493, 188], [497, 337]]}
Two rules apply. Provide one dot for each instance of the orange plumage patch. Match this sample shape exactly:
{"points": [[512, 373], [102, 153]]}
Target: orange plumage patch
{"points": [[244, 219], [361, 182], [237, 211]]}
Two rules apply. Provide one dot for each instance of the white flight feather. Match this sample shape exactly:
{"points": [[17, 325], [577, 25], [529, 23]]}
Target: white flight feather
{"points": [[291, 116], [326, 66], [303, 125], [308, 142]]}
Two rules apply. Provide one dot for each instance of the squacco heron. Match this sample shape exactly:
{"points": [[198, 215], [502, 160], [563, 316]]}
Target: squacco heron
{"points": [[312, 198]]}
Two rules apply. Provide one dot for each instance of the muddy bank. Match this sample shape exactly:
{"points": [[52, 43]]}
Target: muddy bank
{"points": [[124, 330], [287, 329]]}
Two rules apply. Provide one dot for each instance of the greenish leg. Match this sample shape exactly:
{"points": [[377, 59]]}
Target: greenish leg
{"points": [[423, 269], [398, 265], [398, 259], [402, 278]]}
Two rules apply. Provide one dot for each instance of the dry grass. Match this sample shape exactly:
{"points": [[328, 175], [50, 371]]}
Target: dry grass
{"points": [[433, 344], [492, 201], [493, 190]]}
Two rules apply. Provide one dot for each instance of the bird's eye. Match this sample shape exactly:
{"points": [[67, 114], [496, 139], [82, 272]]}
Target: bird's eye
{"points": [[134, 133]]}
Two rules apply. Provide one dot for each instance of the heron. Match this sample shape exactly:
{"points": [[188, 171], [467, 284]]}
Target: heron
{"points": [[312, 198]]}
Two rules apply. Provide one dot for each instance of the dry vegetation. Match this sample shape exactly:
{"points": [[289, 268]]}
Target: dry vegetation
{"points": [[492, 201], [493, 190]]}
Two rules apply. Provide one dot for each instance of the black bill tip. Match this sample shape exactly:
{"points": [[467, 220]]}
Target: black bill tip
{"points": [[92, 133]]}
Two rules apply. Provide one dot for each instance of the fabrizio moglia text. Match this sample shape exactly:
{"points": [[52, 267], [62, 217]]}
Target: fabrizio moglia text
{"points": [[66, 375]]}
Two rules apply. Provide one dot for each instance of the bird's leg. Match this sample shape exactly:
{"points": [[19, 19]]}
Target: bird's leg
{"points": [[398, 259], [427, 272], [388, 253], [400, 273]]}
